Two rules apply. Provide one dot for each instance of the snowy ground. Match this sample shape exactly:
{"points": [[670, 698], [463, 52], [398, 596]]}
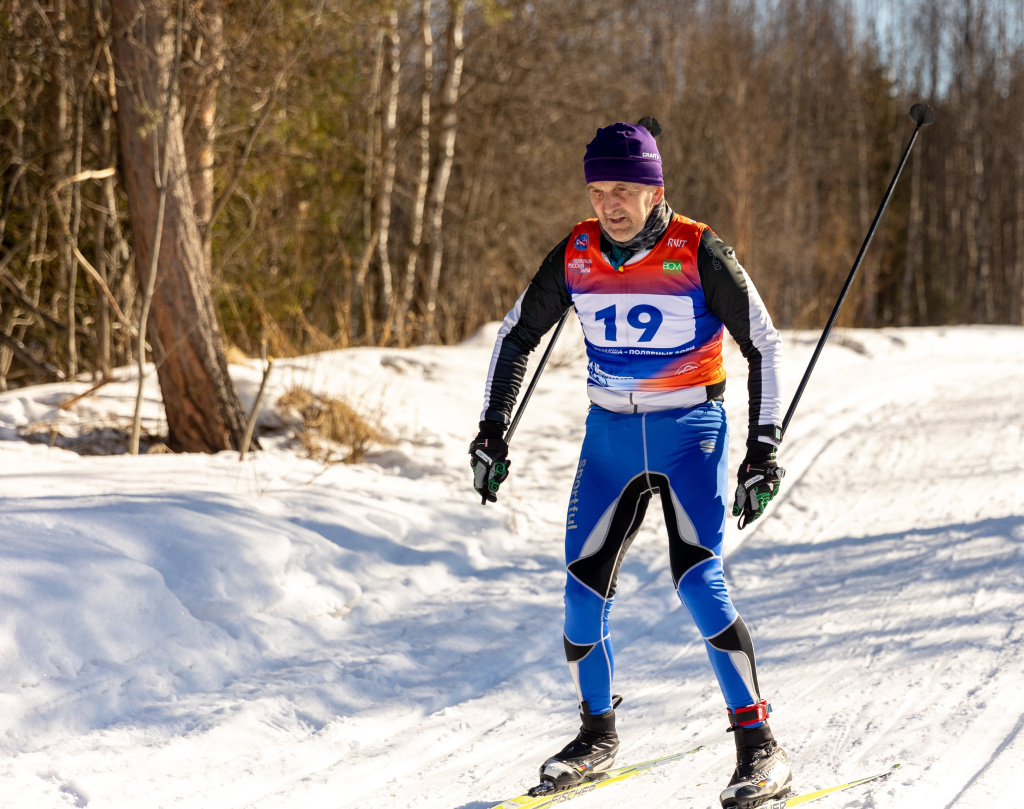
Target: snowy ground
{"points": [[189, 631]]}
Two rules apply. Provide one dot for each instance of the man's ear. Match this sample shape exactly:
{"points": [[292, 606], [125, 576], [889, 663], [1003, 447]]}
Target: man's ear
{"points": [[658, 197]]}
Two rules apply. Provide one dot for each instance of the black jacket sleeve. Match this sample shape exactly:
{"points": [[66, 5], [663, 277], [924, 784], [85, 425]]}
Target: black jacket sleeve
{"points": [[537, 310], [732, 298]]}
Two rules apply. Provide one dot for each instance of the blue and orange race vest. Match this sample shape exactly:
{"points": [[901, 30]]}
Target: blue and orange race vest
{"points": [[646, 325]]}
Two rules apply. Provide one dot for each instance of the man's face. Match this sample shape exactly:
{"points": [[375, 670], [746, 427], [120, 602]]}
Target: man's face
{"points": [[622, 208]]}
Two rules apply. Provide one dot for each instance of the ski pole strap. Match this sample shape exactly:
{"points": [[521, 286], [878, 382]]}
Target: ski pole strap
{"points": [[750, 715]]}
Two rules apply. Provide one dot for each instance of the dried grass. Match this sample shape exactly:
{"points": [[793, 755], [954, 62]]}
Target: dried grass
{"points": [[326, 426], [235, 355]]}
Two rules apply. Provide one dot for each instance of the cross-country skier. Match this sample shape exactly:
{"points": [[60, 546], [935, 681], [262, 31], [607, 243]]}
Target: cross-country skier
{"points": [[653, 291]]}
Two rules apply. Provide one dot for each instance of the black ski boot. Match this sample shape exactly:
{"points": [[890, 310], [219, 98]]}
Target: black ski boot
{"points": [[585, 757], [762, 770]]}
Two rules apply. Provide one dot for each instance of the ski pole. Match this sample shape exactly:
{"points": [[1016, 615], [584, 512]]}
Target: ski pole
{"points": [[922, 115], [500, 467], [536, 376]]}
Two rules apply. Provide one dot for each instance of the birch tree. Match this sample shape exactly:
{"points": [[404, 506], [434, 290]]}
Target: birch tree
{"points": [[454, 52]]}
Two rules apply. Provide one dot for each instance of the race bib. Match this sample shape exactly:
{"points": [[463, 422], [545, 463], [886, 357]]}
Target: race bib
{"points": [[645, 321]]}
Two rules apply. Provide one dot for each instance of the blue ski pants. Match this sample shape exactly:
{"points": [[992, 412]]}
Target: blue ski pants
{"points": [[627, 458]]}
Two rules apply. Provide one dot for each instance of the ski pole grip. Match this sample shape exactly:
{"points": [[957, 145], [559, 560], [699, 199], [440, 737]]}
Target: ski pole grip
{"points": [[480, 475]]}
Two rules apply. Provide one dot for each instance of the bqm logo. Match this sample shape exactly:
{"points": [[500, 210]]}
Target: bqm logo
{"points": [[582, 242]]}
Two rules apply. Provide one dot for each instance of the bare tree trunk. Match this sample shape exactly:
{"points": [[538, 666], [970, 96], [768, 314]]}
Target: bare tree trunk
{"points": [[449, 122], [373, 169], [58, 165], [76, 220], [1017, 125], [148, 285], [389, 135], [201, 404], [1018, 276], [984, 300], [17, 120], [422, 179], [102, 218], [869, 297], [780, 295], [103, 306], [670, 58], [202, 135], [35, 242], [869, 291], [932, 199], [913, 241], [976, 222], [107, 262]]}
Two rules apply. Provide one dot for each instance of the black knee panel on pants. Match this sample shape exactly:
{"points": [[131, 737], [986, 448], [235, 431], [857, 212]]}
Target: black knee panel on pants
{"points": [[600, 570]]}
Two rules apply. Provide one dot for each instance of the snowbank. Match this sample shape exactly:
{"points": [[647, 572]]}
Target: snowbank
{"points": [[192, 631]]}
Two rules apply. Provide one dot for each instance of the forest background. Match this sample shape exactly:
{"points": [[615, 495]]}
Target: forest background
{"points": [[374, 173]]}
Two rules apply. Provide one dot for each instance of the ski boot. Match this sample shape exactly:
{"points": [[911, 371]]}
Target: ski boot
{"points": [[762, 768], [586, 757]]}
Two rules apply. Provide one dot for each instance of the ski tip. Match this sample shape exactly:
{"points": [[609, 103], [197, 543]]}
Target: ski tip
{"points": [[886, 773]]}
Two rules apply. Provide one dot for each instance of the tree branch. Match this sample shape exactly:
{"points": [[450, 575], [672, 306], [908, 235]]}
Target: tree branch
{"points": [[92, 270], [22, 353]]}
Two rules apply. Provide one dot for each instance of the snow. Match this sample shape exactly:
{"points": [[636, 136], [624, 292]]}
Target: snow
{"points": [[191, 631]]}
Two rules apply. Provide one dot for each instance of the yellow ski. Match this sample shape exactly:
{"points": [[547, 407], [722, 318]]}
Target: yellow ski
{"points": [[807, 797], [527, 801]]}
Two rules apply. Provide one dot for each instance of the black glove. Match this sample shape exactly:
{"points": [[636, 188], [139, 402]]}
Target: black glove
{"points": [[488, 456], [758, 481]]}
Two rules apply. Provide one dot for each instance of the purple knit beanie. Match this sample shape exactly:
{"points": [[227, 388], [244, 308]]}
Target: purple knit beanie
{"points": [[624, 153]]}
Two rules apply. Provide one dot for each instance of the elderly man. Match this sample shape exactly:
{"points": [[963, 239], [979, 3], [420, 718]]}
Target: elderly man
{"points": [[654, 292]]}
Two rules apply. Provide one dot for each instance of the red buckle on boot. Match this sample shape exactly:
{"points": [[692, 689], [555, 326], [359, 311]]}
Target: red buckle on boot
{"points": [[750, 715]]}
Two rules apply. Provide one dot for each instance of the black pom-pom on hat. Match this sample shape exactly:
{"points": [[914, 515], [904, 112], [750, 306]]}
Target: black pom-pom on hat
{"points": [[650, 123]]}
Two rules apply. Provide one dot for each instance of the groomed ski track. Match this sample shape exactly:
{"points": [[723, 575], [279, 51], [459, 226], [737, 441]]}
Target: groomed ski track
{"points": [[884, 592]]}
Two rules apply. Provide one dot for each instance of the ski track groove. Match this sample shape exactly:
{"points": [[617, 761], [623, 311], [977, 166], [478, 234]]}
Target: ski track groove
{"points": [[814, 453], [819, 524], [902, 586]]}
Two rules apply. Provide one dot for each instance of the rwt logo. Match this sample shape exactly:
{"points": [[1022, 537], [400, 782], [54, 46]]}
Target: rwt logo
{"points": [[676, 242], [582, 242]]}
